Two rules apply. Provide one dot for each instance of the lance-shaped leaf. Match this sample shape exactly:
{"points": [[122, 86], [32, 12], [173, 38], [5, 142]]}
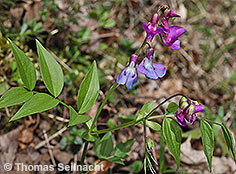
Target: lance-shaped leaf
{"points": [[207, 141], [146, 109], [75, 118], [229, 140], [38, 103], [89, 90], [122, 149], [172, 134], [153, 125], [25, 67], [51, 71], [104, 147], [15, 96]]}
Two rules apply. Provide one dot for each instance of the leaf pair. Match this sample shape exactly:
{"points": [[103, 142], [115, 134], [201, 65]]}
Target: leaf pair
{"points": [[87, 95], [104, 148], [52, 76]]}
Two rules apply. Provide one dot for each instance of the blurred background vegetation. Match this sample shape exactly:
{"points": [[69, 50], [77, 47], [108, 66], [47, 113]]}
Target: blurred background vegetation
{"points": [[79, 31]]}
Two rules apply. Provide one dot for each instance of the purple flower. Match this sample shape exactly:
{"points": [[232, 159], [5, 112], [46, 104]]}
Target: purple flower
{"points": [[187, 111], [152, 28], [169, 14], [129, 75], [171, 34], [149, 69], [171, 38]]}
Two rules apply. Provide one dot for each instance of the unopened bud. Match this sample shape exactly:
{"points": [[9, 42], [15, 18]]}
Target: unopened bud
{"points": [[155, 18], [184, 105], [134, 58], [150, 52], [183, 99], [191, 110]]}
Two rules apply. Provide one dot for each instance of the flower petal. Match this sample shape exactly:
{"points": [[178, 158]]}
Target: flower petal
{"points": [[122, 77], [146, 68], [159, 69], [198, 108], [132, 80], [145, 27], [180, 118], [175, 32], [175, 45]]}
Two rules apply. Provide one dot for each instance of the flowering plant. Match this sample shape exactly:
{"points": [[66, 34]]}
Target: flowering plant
{"points": [[52, 75]]}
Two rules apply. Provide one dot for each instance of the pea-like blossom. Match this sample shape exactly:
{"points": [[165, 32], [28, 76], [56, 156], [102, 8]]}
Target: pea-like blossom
{"points": [[152, 27], [129, 75], [171, 34], [187, 111], [150, 69]]}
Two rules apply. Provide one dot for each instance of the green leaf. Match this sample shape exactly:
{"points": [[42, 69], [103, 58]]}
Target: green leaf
{"points": [[89, 90], [122, 149], [63, 143], [172, 134], [195, 134], [207, 141], [229, 140], [136, 166], [75, 118], [15, 96], [105, 146], [162, 153], [25, 67], [153, 125], [171, 108], [146, 109], [38, 103], [109, 23], [51, 71], [78, 141]]}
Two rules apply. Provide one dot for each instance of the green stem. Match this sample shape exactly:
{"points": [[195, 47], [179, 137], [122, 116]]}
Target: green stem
{"points": [[114, 128], [64, 104], [138, 121], [150, 113], [84, 152], [138, 52], [103, 103], [160, 116]]}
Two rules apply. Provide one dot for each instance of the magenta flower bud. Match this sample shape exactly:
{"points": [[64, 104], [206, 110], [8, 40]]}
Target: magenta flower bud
{"points": [[187, 111], [151, 28], [150, 52], [155, 18], [134, 58]]}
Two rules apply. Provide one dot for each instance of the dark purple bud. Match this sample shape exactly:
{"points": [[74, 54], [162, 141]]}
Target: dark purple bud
{"points": [[134, 58], [150, 52], [155, 18]]}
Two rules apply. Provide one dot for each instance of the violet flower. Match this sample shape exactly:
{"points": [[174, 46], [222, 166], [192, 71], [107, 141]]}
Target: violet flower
{"points": [[187, 111], [129, 75], [152, 28], [171, 34], [149, 69]]}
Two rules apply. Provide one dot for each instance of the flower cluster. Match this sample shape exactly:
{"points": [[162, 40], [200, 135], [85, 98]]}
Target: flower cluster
{"points": [[187, 111], [129, 75], [169, 36]]}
